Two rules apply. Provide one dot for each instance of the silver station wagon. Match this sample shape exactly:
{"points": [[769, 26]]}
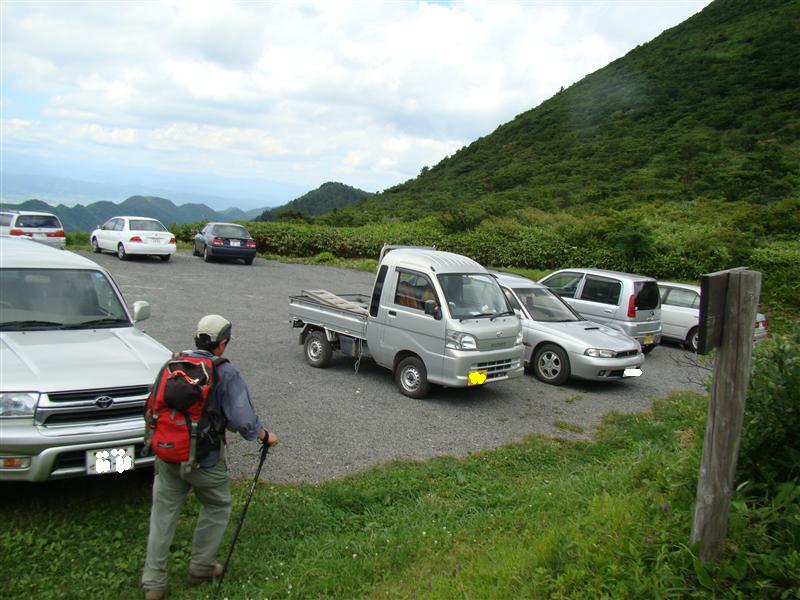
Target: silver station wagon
{"points": [[74, 371], [560, 343]]}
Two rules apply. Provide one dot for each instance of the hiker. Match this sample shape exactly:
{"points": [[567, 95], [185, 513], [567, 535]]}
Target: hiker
{"points": [[208, 476]]}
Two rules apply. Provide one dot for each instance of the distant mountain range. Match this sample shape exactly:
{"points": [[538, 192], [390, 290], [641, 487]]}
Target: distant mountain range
{"points": [[327, 197], [86, 218]]}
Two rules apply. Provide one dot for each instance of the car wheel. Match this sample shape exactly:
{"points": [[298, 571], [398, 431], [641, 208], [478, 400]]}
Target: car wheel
{"points": [[551, 365], [318, 349], [165, 257], [194, 249], [206, 254], [411, 377], [648, 349], [693, 339], [121, 254], [248, 261], [95, 246]]}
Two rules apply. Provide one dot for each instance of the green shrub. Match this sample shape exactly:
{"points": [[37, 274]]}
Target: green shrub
{"points": [[77, 238], [770, 445], [324, 258]]}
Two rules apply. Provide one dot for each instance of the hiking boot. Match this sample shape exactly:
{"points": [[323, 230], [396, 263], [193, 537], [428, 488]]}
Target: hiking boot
{"points": [[154, 594], [201, 576]]}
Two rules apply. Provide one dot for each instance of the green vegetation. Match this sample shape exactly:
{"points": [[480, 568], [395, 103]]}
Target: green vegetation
{"points": [[329, 197]]}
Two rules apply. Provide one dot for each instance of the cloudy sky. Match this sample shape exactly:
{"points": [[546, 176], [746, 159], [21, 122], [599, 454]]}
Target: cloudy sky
{"points": [[250, 95]]}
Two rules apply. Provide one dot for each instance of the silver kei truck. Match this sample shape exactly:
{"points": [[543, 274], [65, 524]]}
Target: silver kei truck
{"points": [[433, 317]]}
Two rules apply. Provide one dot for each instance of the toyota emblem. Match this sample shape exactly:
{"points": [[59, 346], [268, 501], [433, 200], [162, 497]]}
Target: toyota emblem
{"points": [[104, 401], [499, 334]]}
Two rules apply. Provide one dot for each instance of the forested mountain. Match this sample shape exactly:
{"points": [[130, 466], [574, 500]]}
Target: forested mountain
{"points": [[709, 110], [86, 218], [327, 197]]}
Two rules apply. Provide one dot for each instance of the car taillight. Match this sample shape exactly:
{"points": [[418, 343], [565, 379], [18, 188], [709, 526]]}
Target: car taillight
{"points": [[250, 244], [218, 242], [632, 306], [19, 232], [59, 233], [172, 240], [136, 238]]}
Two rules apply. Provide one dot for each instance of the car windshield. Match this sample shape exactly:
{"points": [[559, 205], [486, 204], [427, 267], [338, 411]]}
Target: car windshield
{"points": [[58, 299], [48, 221], [473, 295], [230, 231], [544, 305], [146, 225]]}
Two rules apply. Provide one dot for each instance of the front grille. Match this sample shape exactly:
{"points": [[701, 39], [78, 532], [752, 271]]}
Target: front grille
{"points": [[93, 416], [495, 368], [92, 395], [627, 353]]}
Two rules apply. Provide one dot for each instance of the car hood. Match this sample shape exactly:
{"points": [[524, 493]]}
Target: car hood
{"points": [[589, 335], [51, 361]]}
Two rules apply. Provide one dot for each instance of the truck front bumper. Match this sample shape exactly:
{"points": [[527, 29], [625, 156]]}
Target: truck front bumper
{"points": [[497, 365]]}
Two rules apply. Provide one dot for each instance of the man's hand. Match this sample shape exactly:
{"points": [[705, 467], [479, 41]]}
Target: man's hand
{"points": [[271, 438]]}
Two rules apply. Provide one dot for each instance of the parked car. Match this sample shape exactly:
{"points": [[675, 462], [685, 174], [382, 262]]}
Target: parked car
{"points": [[559, 343], [623, 301], [224, 240], [43, 227], [75, 372], [134, 235], [680, 314]]}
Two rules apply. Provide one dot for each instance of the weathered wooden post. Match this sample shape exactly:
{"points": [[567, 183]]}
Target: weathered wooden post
{"points": [[728, 304]]}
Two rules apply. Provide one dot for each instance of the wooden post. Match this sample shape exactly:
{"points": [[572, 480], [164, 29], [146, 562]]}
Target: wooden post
{"points": [[725, 414]]}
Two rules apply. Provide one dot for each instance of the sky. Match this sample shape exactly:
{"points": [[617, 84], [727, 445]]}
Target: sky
{"points": [[268, 100]]}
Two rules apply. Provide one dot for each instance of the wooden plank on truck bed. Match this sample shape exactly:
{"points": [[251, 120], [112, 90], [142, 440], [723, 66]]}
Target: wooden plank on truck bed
{"points": [[330, 299]]}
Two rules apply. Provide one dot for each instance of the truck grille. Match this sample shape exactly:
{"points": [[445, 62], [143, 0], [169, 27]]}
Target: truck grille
{"points": [[495, 368], [94, 416], [92, 407], [92, 395]]}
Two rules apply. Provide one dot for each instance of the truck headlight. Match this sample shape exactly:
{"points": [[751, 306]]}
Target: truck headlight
{"points": [[518, 341], [18, 404], [600, 353], [460, 341]]}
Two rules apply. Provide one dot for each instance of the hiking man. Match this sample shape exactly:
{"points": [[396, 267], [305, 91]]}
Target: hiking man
{"points": [[210, 480]]}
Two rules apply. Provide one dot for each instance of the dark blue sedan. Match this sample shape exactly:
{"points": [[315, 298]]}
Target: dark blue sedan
{"points": [[224, 240]]}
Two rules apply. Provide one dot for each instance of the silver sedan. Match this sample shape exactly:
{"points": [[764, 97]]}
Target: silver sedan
{"points": [[560, 344]]}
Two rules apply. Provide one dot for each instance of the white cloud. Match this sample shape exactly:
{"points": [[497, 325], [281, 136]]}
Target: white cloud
{"points": [[303, 91]]}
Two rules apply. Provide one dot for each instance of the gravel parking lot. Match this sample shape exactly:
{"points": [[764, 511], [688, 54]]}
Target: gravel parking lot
{"points": [[333, 421]]}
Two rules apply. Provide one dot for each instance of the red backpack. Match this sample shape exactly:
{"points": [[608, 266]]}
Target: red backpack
{"points": [[183, 419]]}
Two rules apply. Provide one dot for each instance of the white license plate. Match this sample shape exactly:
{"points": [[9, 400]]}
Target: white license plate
{"points": [[154, 240], [40, 235], [109, 460], [235, 243], [648, 339]]}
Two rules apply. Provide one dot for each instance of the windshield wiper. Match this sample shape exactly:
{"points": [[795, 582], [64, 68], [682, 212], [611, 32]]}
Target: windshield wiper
{"points": [[505, 313], [31, 323], [96, 322], [478, 316]]}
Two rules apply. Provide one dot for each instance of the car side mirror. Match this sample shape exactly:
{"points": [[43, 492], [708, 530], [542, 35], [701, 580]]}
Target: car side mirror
{"points": [[141, 311], [518, 312], [432, 309]]}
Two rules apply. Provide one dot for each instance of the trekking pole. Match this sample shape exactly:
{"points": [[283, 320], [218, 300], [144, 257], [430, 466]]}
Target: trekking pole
{"points": [[264, 450]]}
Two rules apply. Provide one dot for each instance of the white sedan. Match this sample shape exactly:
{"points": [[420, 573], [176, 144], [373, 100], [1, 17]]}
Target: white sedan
{"points": [[134, 235]]}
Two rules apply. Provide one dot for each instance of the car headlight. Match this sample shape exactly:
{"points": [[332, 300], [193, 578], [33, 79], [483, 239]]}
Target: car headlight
{"points": [[460, 341], [600, 353], [18, 404], [518, 341]]}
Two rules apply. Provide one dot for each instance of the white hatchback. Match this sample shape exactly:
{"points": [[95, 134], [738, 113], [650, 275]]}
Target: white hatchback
{"points": [[134, 235]]}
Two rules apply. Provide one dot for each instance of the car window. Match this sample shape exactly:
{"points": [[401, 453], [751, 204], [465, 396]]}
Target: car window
{"points": [[48, 221], [564, 284], [602, 290], [230, 231], [646, 295], [145, 225], [5, 220], [413, 290], [544, 305], [511, 299], [58, 298], [119, 224], [681, 297]]}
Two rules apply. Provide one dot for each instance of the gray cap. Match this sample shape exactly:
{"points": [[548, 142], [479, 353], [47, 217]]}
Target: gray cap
{"points": [[217, 328]]}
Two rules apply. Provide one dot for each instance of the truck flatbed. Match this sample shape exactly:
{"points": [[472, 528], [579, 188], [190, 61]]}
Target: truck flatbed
{"points": [[341, 313]]}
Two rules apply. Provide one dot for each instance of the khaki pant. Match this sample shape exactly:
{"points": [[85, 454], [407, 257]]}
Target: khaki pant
{"points": [[169, 491]]}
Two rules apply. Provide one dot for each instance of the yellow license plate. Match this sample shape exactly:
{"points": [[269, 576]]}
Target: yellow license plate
{"points": [[648, 339], [476, 378]]}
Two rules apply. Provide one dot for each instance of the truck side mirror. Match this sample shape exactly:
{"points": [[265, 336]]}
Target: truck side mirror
{"points": [[432, 309]]}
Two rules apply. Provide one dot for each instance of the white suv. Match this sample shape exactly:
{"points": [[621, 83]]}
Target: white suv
{"points": [[40, 226], [74, 371]]}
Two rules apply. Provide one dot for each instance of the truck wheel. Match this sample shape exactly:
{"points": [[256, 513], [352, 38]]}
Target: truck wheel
{"points": [[551, 365], [318, 349], [412, 377]]}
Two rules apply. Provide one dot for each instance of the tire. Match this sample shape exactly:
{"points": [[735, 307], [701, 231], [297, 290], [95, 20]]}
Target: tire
{"points": [[551, 365], [194, 249], [248, 261], [121, 254], [648, 349], [693, 339], [206, 254], [95, 246], [411, 377], [165, 257], [318, 349]]}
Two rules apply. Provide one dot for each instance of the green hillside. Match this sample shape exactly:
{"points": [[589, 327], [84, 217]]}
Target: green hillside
{"points": [[327, 197], [710, 109]]}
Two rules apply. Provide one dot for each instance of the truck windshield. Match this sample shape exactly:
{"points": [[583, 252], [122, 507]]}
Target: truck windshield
{"points": [[58, 299], [473, 295]]}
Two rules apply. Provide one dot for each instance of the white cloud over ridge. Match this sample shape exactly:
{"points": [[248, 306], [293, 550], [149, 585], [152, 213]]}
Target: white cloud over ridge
{"points": [[364, 92]]}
